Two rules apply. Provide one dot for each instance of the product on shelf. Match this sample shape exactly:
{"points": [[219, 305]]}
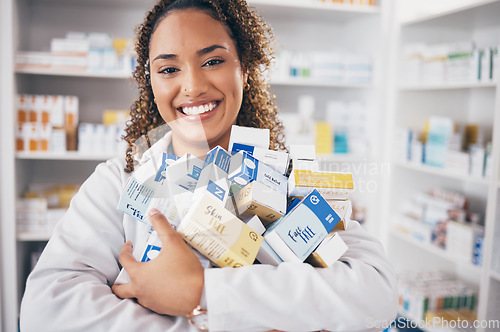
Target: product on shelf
{"points": [[42, 205], [323, 66], [345, 129], [427, 292], [445, 144], [352, 2], [441, 218], [82, 52], [459, 62], [46, 123]]}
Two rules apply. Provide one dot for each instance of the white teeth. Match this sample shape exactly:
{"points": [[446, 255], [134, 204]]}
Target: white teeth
{"points": [[199, 109]]}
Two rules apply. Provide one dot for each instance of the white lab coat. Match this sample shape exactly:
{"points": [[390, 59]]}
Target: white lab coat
{"points": [[69, 289]]}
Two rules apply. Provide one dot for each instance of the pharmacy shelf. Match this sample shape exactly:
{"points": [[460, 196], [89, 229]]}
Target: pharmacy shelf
{"points": [[52, 72], [34, 236], [495, 275], [447, 86], [337, 157], [307, 82], [68, 155], [143, 4], [435, 250], [443, 172], [300, 82], [476, 14], [312, 9]]}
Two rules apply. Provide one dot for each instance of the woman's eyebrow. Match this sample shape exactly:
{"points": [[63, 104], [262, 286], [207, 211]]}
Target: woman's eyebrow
{"points": [[209, 49], [165, 57], [203, 51]]}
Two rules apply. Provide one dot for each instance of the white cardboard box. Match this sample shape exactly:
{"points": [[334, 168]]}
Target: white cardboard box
{"points": [[258, 199], [328, 252], [250, 136]]}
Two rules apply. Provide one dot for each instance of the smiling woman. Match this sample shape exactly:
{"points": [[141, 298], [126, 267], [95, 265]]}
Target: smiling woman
{"points": [[196, 75], [202, 60], [200, 72]]}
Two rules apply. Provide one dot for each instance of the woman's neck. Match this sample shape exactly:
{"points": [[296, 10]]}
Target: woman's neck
{"points": [[200, 150]]}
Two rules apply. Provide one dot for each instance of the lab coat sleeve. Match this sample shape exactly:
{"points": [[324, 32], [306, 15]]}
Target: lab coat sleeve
{"points": [[69, 289], [357, 293]]}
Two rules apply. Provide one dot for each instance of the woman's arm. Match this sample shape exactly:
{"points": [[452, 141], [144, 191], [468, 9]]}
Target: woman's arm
{"points": [[357, 293], [69, 289]]}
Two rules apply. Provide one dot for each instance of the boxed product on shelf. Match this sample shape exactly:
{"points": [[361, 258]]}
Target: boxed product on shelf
{"points": [[324, 66], [460, 151], [98, 139], [350, 125], [33, 60], [324, 141], [438, 135], [79, 51], [42, 119], [420, 292], [34, 215], [442, 218], [451, 317], [465, 241], [458, 62]]}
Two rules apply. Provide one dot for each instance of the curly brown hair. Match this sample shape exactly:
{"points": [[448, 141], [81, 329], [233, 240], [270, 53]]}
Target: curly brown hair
{"points": [[252, 37]]}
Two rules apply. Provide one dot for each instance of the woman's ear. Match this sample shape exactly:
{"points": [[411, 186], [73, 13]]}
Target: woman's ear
{"points": [[246, 86]]}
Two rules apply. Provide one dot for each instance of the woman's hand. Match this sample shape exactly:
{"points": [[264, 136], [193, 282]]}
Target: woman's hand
{"points": [[170, 284]]}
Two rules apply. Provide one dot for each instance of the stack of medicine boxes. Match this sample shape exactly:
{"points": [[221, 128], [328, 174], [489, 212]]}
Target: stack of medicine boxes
{"points": [[240, 206]]}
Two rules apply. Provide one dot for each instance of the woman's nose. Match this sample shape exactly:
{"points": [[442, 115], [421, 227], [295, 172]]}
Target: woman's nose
{"points": [[195, 83]]}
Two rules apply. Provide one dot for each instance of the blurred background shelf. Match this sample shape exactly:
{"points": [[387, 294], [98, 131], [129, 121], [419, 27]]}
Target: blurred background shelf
{"points": [[68, 155], [447, 86], [433, 250], [34, 236], [443, 172], [52, 72]]}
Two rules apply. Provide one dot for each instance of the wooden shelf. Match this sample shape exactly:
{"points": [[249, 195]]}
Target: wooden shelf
{"points": [[69, 155], [443, 172], [435, 251]]}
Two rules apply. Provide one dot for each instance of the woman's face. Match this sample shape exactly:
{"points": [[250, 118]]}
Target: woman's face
{"points": [[196, 77]]}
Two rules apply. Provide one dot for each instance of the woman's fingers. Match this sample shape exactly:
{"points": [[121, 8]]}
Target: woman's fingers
{"points": [[162, 226], [124, 291]]}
